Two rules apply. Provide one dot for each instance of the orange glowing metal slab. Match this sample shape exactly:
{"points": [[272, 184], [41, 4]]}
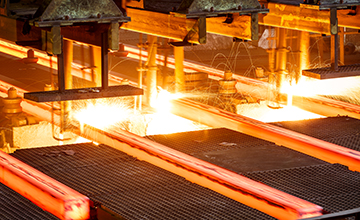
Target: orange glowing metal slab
{"points": [[47, 193], [215, 117]]}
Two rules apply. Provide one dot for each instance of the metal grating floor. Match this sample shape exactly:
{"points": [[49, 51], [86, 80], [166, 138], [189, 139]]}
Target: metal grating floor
{"points": [[83, 93], [15, 206], [131, 188], [331, 186], [328, 73], [343, 131]]}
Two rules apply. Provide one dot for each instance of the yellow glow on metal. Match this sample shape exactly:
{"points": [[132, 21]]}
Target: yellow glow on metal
{"points": [[103, 113], [164, 122], [107, 113]]}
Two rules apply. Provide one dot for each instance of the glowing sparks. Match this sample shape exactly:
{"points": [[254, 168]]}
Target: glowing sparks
{"points": [[103, 113], [162, 102]]}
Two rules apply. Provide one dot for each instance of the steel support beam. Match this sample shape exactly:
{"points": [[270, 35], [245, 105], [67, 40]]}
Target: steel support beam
{"points": [[178, 28], [295, 17], [306, 19]]}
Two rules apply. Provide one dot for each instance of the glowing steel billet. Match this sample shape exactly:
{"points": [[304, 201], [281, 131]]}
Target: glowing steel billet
{"points": [[314, 147], [45, 192], [254, 194], [327, 107]]}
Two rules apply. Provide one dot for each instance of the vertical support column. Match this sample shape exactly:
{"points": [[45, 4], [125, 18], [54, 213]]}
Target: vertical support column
{"points": [[104, 60], [95, 59], [254, 26], [151, 91], [281, 59], [334, 52], [179, 69], [140, 69], [61, 72], [334, 39], [341, 42], [66, 105], [304, 55], [321, 49], [68, 58]]}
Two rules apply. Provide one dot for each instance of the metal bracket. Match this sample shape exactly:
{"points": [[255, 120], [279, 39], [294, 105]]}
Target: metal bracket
{"points": [[254, 26], [114, 36], [334, 39], [198, 28], [333, 21], [53, 41]]}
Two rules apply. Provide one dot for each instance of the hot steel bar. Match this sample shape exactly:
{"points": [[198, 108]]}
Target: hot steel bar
{"points": [[47, 193], [314, 147]]}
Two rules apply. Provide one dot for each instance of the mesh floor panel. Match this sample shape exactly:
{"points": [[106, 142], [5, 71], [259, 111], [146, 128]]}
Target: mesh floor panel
{"points": [[15, 206], [328, 73], [343, 131], [131, 188], [331, 186]]}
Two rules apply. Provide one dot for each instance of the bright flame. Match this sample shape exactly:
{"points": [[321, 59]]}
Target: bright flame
{"points": [[163, 122], [162, 102], [103, 113], [106, 113]]}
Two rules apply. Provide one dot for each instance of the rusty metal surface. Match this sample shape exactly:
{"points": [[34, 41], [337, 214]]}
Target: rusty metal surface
{"points": [[202, 8], [66, 12], [328, 73], [86, 93], [15, 206], [131, 188], [332, 186]]}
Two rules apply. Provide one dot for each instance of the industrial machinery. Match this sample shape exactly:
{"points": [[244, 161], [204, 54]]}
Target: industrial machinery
{"points": [[229, 167]]}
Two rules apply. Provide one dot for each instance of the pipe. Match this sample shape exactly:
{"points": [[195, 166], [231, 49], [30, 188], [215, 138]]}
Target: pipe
{"points": [[179, 69], [304, 55], [66, 105], [151, 85], [95, 59], [281, 59]]}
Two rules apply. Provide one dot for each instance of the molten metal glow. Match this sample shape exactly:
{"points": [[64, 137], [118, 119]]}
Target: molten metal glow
{"points": [[103, 113], [118, 113], [162, 121]]}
